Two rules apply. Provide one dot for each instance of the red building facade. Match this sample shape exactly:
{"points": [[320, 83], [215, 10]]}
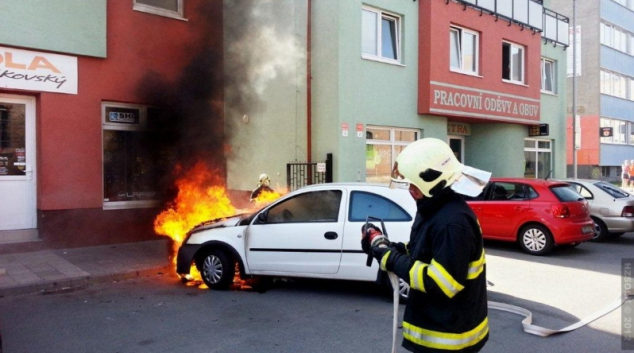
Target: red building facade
{"points": [[152, 61]]}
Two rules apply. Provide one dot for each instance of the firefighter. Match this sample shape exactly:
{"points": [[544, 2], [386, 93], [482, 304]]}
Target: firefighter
{"points": [[263, 185], [443, 262]]}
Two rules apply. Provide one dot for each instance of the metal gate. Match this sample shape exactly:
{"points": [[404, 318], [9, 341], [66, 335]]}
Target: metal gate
{"points": [[299, 174]]}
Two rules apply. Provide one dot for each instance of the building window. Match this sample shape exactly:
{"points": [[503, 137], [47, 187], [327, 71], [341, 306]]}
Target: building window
{"points": [[463, 50], [548, 76], [381, 36], [383, 144], [614, 84], [537, 158], [619, 131], [167, 8], [512, 62], [131, 166], [615, 37]]}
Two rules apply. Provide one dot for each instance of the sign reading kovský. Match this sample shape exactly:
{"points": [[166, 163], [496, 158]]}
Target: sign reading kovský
{"points": [[38, 71]]}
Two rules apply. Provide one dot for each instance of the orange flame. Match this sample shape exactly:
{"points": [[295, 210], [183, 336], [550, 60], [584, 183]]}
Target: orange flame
{"points": [[201, 197]]}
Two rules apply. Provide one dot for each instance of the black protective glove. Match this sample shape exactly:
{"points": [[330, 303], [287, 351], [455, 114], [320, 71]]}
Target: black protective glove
{"points": [[379, 252], [401, 248]]}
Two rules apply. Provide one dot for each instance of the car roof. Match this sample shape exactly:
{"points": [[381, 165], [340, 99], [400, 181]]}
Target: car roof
{"points": [[344, 184], [531, 181]]}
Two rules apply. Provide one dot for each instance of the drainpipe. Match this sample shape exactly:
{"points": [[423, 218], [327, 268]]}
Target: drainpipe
{"points": [[309, 152]]}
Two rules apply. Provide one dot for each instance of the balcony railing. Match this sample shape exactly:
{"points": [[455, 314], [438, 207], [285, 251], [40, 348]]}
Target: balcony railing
{"points": [[526, 13]]}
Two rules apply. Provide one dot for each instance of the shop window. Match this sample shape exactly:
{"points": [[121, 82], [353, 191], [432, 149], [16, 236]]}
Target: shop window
{"points": [[512, 62], [463, 50], [538, 158], [167, 8], [383, 144], [548, 76], [131, 160], [381, 36]]}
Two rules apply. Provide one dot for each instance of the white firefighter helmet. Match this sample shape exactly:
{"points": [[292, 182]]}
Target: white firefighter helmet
{"points": [[429, 164], [264, 179]]}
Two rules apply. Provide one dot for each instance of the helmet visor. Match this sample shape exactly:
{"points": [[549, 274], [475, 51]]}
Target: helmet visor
{"points": [[397, 180]]}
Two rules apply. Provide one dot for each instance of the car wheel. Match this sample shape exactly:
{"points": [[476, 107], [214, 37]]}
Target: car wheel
{"points": [[535, 239], [600, 230], [403, 289], [217, 269]]}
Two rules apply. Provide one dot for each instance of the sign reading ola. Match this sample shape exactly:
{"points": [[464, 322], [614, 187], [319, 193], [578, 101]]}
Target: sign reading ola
{"points": [[37, 71]]}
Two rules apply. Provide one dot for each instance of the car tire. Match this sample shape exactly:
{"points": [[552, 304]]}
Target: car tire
{"points": [[616, 235], [536, 239], [217, 269], [600, 230]]}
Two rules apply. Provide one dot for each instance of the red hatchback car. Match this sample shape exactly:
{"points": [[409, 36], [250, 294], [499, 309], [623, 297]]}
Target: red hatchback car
{"points": [[536, 213]]}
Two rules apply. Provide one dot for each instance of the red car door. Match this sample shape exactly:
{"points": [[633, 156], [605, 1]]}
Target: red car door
{"points": [[502, 210]]}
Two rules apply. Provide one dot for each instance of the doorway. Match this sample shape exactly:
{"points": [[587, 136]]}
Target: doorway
{"points": [[18, 221], [457, 146]]}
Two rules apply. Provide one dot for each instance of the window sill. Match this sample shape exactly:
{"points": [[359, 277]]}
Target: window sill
{"points": [[382, 60], [549, 93], [124, 205], [517, 83], [158, 12], [467, 73]]}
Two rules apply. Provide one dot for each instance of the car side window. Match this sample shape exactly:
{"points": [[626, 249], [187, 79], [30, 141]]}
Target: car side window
{"points": [[364, 204], [582, 191], [317, 206], [504, 191]]}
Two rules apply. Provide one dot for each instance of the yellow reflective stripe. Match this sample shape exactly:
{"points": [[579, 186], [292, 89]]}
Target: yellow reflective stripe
{"points": [[443, 279], [476, 267], [384, 260], [444, 340], [416, 276]]}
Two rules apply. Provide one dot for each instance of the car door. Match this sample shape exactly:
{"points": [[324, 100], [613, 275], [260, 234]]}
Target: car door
{"points": [[393, 209], [502, 210], [299, 235]]}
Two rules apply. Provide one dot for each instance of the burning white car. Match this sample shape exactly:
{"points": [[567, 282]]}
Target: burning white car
{"points": [[313, 232]]}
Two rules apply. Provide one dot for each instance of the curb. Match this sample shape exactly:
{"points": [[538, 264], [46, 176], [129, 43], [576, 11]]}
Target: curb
{"points": [[45, 287]]}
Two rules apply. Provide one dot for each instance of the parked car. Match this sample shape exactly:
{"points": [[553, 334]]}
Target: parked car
{"points": [[313, 232], [611, 208], [537, 214]]}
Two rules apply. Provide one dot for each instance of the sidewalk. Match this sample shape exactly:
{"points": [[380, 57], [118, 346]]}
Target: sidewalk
{"points": [[55, 269]]}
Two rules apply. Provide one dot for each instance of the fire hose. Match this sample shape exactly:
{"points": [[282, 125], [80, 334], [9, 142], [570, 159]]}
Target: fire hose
{"points": [[378, 237]]}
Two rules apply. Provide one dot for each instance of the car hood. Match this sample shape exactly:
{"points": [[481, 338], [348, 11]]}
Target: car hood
{"points": [[231, 221]]}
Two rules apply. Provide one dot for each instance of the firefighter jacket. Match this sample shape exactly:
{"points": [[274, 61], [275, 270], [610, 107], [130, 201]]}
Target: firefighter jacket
{"points": [[445, 268]]}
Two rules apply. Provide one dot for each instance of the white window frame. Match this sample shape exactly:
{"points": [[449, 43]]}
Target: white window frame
{"points": [[179, 14], [616, 85], [393, 142], [459, 32], [535, 148], [522, 50], [377, 38], [552, 73], [620, 134]]}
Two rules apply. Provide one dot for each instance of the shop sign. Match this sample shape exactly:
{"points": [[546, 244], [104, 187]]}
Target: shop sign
{"points": [[457, 100], [118, 115], [37, 71], [606, 132], [458, 129], [538, 130]]}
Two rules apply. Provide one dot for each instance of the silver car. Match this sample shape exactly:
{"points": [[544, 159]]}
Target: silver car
{"points": [[611, 208]]}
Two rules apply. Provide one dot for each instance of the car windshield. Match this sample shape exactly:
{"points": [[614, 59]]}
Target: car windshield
{"points": [[612, 190], [565, 193]]}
